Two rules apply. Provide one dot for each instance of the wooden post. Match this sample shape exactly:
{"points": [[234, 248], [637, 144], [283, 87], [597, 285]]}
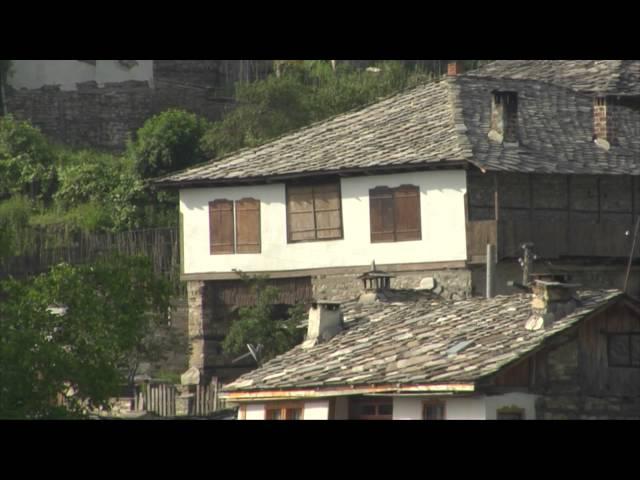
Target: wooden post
{"points": [[491, 270]]}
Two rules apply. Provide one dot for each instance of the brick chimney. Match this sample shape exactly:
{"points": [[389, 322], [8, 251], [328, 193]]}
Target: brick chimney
{"points": [[454, 68], [325, 321], [602, 120], [552, 300]]}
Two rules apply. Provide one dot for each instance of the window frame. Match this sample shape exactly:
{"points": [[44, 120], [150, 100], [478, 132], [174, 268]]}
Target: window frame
{"points": [[283, 408], [630, 363], [434, 402], [315, 230], [512, 410], [392, 191], [356, 403], [234, 210]]}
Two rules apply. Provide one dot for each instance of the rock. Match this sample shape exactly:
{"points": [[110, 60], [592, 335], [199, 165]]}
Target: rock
{"points": [[427, 283], [190, 377]]}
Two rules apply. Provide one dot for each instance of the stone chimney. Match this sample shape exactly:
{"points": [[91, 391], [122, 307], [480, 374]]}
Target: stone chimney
{"points": [[325, 321], [602, 122], [454, 68], [552, 300]]}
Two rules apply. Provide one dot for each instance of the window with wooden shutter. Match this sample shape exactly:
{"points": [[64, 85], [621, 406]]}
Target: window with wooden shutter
{"points": [[221, 227], [248, 226], [314, 212], [395, 214]]}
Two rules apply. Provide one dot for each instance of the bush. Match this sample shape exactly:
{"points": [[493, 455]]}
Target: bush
{"points": [[14, 220], [26, 161], [167, 142]]}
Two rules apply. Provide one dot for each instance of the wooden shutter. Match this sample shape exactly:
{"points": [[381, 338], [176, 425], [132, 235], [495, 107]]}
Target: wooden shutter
{"points": [[248, 226], [327, 211], [407, 213], [301, 214], [381, 214], [221, 227]]}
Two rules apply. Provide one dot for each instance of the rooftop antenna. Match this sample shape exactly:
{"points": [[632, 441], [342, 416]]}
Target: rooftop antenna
{"points": [[253, 352], [633, 249], [526, 262]]}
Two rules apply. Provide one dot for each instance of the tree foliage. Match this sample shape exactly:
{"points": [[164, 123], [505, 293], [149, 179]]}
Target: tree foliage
{"points": [[303, 92], [27, 162], [260, 324], [167, 142], [115, 310]]}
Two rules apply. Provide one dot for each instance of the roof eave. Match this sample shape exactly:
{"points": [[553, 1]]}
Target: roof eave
{"points": [[250, 395], [439, 165]]}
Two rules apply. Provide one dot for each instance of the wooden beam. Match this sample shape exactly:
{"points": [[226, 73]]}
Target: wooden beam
{"points": [[247, 395], [347, 270]]}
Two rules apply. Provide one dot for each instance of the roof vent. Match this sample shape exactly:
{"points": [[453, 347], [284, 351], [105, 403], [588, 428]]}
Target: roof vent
{"points": [[374, 281]]}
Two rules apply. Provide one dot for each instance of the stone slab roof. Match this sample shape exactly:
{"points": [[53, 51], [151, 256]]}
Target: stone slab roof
{"points": [[445, 124], [417, 342], [410, 128], [619, 77]]}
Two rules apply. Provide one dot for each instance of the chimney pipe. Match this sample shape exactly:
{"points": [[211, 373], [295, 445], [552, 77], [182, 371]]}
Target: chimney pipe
{"points": [[454, 68], [325, 321], [491, 270]]}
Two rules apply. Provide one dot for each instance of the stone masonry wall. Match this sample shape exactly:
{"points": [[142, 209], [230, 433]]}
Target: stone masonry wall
{"points": [[562, 398], [451, 284], [104, 117]]}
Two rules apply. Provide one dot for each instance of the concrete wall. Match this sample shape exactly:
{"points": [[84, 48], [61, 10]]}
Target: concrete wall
{"points": [[441, 206]]}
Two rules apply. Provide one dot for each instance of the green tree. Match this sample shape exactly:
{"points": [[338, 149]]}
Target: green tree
{"points": [[27, 161], [300, 93], [113, 309], [167, 142], [259, 325]]}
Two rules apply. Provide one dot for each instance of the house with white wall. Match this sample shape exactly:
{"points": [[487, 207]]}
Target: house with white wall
{"points": [[420, 182], [541, 355]]}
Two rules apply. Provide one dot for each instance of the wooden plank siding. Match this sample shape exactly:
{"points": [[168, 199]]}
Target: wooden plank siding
{"points": [[563, 215]]}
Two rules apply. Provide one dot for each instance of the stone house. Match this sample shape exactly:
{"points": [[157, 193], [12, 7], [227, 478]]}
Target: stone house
{"points": [[421, 182], [556, 353]]}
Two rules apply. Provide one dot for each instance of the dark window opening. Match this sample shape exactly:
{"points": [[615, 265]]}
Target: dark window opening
{"points": [[510, 414], [433, 410], [623, 349], [288, 411], [371, 408], [504, 115]]}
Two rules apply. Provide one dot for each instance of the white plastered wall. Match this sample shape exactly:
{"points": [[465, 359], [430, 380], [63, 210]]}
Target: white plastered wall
{"points": [[254, 411], [525, 401], [32, 74], [442, 216]]}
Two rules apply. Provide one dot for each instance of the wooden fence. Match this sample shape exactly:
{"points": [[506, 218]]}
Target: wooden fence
{"points": [[47, 249], [160, 398]]}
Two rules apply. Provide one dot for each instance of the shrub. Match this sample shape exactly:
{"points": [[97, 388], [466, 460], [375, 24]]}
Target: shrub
{"points": [[167, 142], [26, 161]]}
